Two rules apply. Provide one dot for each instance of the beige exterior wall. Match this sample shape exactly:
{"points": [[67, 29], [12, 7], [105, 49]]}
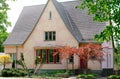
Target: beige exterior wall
{"points": [[10, 49], [94, 65], [36, 39], [14, 49]]}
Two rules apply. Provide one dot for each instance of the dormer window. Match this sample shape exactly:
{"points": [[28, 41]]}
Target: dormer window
{"points": [[50, 15]]}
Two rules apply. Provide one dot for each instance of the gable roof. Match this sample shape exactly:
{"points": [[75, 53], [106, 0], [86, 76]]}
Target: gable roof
{"points": [[78, 22], [24, 25]]}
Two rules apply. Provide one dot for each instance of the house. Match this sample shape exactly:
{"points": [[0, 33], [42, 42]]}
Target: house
{"points": [[40, 28]]}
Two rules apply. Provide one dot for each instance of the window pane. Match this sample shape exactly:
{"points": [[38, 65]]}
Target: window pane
{"points": [[38, 53], [44, 55], [51, 55], [14, 56], [71, 59], [58, 58], [46, 35], [54, 35], [50, 35]]}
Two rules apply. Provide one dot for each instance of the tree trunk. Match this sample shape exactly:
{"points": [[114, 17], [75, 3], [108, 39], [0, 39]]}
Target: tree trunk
{"points": [[39, 66], [36, 70], [67, 65]]}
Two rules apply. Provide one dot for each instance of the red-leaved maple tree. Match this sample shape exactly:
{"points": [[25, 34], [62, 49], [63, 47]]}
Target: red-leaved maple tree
{"points": [[85, 52], [91, 50]]}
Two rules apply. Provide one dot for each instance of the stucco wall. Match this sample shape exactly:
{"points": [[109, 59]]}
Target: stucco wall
{"points": [[94, 65], [10, 49], [36, 39], [14, 49]]}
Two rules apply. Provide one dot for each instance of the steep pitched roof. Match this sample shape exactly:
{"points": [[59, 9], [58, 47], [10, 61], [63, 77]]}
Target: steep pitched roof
{"points": [[78, 22], [24, 25], [83, 21]]}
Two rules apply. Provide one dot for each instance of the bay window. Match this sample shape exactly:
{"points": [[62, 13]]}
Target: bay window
{"points": [[47, 55]]}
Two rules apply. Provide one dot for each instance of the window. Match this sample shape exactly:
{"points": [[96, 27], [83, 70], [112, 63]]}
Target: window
{"points": [[50, 36], [47, 55], [71, 59], [51, 57], [13, 56], [50, 15]]}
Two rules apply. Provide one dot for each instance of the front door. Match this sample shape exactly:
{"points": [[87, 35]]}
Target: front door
{"points": [[83, 63]]}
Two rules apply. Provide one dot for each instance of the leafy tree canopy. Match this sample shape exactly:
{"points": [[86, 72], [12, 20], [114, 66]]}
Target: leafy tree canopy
{"points": [[3, 37], [4, 23]]}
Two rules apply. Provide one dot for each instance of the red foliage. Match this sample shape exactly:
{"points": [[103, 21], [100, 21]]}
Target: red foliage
{"points": [[65, 51], [88, 51], [92, 51]]}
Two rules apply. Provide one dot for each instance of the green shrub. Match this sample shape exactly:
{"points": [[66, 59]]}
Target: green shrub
{"points": [[87, 76], [81, 76], [114, 77], [49, 73], [13, 73], [90, 76], [64, 75]]}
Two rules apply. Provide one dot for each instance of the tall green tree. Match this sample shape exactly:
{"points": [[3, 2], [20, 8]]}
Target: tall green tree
{"points": [[4, 23], [3, 37], [105, 11]]}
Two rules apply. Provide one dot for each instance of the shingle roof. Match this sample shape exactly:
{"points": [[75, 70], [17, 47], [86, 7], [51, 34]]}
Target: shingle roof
{"points": [[83, 21], [68, 20], [79, 23], [24, 25]]}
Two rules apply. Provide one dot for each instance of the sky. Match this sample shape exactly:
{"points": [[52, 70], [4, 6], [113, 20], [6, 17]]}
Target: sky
{"points": [[17, 6]]}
